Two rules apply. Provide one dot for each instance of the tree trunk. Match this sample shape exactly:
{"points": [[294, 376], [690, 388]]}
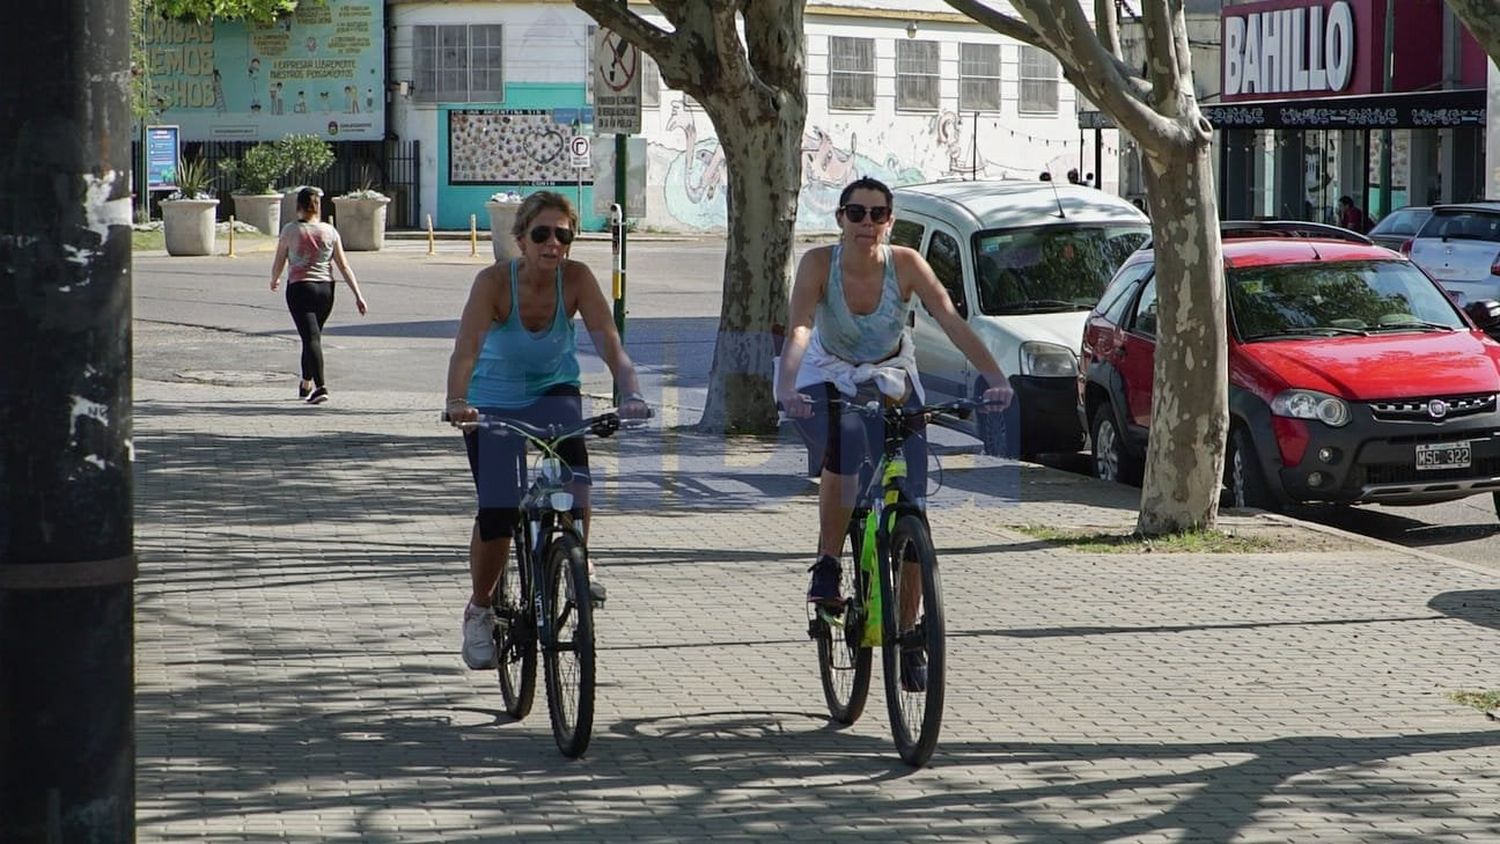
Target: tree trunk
{"points": [[1189, 408], [763, 154]]}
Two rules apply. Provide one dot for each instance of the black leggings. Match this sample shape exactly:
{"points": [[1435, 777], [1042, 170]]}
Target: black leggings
{"points": [[310, 303]]}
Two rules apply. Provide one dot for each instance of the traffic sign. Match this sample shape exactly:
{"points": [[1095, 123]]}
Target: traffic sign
{"points": [[578, 149], [617, 84]]}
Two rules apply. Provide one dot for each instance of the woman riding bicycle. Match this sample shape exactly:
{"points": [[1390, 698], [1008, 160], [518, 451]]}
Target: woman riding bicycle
{"points": [[848, 339], [516, 357]]}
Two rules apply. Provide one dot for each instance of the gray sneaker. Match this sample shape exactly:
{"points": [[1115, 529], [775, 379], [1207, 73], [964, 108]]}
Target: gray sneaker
{"points": [[479, 638]]}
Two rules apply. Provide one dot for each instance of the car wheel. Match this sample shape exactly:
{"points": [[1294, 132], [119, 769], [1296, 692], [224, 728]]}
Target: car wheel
{"points": [[1113, 460], [1244, 482]]}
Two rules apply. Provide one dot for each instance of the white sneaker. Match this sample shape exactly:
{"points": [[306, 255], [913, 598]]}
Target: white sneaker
{"points": [[479, 638]]}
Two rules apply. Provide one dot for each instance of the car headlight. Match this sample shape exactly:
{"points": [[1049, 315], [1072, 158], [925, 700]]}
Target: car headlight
{"points": [[1048, 360], [1311, 404]]}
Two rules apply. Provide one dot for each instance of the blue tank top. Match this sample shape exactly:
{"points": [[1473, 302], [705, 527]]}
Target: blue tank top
{"points": [[861, 338], [516, 366]]}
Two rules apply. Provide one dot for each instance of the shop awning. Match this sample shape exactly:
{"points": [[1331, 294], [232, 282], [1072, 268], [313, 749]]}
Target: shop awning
{"points": [[1421, 110]]}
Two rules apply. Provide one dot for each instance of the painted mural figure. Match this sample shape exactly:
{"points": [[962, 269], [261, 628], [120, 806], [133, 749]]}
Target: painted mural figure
{"points": [[254, 74], [301, 105], [278, 103], [351, 100], [219, 105]]}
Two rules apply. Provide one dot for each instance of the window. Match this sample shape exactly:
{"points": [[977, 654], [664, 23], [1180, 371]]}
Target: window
{"points": [[851, 72], [1117, 298], [651, 82], [457, 64], [1050, 269], [947, 264], [907, 233], [1038, 81], [1145, 311], [979, 77], [918, 75]]}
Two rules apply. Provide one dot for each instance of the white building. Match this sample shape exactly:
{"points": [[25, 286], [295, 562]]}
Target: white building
{"points": [[904, 90]]}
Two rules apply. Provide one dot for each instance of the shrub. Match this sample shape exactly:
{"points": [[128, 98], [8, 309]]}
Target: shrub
{"points": [[257, 172]]}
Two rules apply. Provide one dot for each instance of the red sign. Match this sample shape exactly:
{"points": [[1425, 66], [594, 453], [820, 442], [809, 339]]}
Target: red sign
{"points": [[1281, 49]]}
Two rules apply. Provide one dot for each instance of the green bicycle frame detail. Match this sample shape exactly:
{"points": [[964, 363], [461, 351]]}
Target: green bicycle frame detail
{"points": [[876, 526]]}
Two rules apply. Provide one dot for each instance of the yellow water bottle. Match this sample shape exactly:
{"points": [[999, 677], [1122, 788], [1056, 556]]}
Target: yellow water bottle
{"points": [[874, 626]]}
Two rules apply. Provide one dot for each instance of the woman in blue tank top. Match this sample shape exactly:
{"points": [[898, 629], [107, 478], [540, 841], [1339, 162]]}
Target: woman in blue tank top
{"points": [[516, 356], [847, 337]]}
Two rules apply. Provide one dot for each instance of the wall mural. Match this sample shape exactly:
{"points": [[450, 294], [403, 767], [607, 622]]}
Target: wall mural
{"points": [[689, 170], [510, 147]]}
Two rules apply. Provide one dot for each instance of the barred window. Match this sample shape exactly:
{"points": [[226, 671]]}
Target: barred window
{"points": [[851, 72], [457, 63], [979, 77], [1038, 81], [651, 82], [918, 75]]}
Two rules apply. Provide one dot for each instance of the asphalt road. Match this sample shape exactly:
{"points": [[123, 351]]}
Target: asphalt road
{"points": [[674, 296]]}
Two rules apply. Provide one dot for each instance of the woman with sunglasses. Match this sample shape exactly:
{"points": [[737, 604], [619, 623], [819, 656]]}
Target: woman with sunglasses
{"points": [[516, 357], [848, 339]]}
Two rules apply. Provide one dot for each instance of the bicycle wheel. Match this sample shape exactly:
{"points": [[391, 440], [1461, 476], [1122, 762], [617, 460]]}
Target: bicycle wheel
{"points": [[843, 664], [570, 659], [916, 706], [515, 642]]}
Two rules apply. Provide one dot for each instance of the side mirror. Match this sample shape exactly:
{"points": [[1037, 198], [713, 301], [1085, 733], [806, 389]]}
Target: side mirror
{"points": [[1486, 314]]}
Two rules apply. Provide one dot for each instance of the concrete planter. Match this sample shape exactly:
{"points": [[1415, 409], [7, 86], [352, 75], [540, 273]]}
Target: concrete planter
{"points": [[260, 210], [188, 225], [361, 222], [502, 220]]}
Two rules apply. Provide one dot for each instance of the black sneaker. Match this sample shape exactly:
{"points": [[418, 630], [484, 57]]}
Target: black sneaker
{"points": [[303, 390], [824, 586], [913, 670], [318, 396]]}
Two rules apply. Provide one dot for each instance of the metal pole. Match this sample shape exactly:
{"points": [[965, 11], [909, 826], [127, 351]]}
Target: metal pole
{"points": [[974, 149], [67, 741], [1098, 158], [1386, 71]]}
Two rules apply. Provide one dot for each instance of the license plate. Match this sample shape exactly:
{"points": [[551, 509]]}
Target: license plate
{"points": [[1444, 456]]}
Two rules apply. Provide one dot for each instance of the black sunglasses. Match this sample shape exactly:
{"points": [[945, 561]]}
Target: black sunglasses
{"points": [[856, 213], [540, 234]]}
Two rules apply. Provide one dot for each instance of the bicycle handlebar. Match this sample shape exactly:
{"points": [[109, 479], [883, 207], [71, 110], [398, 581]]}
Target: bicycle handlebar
{"points": [[603, 425], [873, 408]]}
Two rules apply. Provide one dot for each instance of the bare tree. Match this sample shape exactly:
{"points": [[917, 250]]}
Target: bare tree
{"points": [[751, 86], [1189, 412], [1482, 17]]}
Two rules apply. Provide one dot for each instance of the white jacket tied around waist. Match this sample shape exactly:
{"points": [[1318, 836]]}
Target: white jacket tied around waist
{"points": [[889, 375]]}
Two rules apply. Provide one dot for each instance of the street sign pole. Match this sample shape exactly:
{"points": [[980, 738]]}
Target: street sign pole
{"points": [[622, 161]]}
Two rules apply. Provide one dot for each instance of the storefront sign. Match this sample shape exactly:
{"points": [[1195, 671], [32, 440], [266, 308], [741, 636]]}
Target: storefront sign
{"points": [[1298, 48], [1430, 110], [161, 157]]}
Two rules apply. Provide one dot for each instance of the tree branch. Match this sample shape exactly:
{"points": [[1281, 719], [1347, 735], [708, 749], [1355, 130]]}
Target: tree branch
{"points": [[1161, 56], [999, 21], [1481, 20], [1108, 23], [671, 54]]}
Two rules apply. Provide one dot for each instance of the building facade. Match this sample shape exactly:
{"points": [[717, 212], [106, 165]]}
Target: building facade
{"points": [[904, 91]]}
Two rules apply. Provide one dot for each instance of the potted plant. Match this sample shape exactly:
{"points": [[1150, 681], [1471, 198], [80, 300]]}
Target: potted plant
{"points": [[503, 207], [256, 200], [188, 213], [361, 216], [307, 156]]}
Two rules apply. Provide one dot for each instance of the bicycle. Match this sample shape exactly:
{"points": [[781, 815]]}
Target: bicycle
{"points": [[888, 532], [550, 552]]}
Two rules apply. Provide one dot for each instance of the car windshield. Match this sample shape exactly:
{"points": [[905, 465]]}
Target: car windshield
{"points": [[1402, 221], [1366, 297], [1050, 268], [1463, 225]]}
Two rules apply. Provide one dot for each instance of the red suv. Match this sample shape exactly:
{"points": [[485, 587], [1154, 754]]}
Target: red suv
{"points": [[1352, 376]]}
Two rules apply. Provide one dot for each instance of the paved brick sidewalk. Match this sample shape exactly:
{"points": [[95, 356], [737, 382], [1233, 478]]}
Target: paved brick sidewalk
{"points": [[302, 577]]}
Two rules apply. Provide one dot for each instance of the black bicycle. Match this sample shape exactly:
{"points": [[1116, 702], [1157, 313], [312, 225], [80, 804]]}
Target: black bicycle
{"points": [[543, 598], [893, 598]]}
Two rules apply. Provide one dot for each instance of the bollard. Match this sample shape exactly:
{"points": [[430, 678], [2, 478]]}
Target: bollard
{"points": [[431, 244], [473, 237], [231, 238]]}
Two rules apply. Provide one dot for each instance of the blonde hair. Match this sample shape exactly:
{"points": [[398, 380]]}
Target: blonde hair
{"points": [[535, 204]]}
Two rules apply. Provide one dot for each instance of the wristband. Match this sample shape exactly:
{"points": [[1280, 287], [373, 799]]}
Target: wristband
{"points": [[452, 402]]}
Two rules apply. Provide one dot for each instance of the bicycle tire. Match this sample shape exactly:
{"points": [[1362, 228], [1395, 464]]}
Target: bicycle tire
{"points": [[916, 715], [844, 667], [569, 659], [515, 642]]}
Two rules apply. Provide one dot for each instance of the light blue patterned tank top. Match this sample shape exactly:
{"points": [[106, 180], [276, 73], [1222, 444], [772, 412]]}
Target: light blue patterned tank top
{"points": [[861, 338], [516, 365]]}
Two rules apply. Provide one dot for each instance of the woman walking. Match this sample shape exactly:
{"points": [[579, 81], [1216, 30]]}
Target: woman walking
{"points": [[309, 245]]}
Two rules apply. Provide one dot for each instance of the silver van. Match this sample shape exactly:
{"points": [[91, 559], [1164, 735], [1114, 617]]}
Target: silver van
{"points": [[1024, 263]]}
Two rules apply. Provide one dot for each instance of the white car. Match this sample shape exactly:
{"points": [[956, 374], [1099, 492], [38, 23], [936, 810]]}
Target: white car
{"points": [[1460, 247], [1024, 263]]}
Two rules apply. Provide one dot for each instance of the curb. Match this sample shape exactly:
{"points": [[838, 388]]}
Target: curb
{"points": [[1383, 544]]}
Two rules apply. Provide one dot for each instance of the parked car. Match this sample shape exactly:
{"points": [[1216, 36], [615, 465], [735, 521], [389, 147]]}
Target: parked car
{"points": [[1459, 245], [1399, 226], [1023, 262], [1352, 377]]}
